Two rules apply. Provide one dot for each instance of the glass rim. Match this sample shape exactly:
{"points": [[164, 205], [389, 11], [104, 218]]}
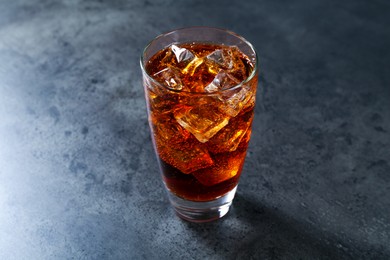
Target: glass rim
{"points": [[237, 86]]}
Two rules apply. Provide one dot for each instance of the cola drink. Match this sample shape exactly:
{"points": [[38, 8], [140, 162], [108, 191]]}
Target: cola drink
{"points": [[200, 99]]}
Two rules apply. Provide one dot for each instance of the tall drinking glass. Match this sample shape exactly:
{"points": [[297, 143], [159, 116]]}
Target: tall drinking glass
{"points": [[200, 87]]}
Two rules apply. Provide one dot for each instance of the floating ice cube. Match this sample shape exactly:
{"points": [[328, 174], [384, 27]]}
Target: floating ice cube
{"points": [[220, 59], [182, 54], [232, 135], [203, 121], [233, 101], [229, 59], [214, 86], [171, 77], [221, 81]]}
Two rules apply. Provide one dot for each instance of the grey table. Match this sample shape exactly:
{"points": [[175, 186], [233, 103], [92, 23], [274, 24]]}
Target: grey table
{"points": [[78, 176]]}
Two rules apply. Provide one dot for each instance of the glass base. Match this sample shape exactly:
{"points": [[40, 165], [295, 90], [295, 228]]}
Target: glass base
{"points": [[206, 211]]}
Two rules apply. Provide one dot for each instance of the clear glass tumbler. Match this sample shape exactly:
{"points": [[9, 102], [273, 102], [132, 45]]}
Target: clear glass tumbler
{"points": [[200, 87]]}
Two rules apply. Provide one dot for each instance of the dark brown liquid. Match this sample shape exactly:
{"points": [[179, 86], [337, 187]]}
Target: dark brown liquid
{"points": [[201, 141]]}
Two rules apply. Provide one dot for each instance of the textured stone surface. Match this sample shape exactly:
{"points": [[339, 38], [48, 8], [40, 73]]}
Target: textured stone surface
{"points": [[78, 176]]}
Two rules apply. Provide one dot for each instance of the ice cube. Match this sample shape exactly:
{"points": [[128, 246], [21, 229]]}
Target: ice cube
{"points": [[239, 70], [232, 135], [186, 157], [167, 129], [176, 57], [214, 86], [203, 121], [233, 101], [170, 77], [182, 54], [161, 100], [227, 166], [220, 59], [221, 81]]}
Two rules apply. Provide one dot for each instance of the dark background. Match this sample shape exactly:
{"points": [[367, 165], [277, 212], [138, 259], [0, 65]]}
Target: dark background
{"points": [[78, 176]]}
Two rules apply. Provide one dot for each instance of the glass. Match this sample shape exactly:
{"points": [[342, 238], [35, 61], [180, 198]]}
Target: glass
{"points": [[200, 87]]}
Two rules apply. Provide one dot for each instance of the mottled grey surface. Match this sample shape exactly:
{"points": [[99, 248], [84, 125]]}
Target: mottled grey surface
{"points": [[78, 176]]}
